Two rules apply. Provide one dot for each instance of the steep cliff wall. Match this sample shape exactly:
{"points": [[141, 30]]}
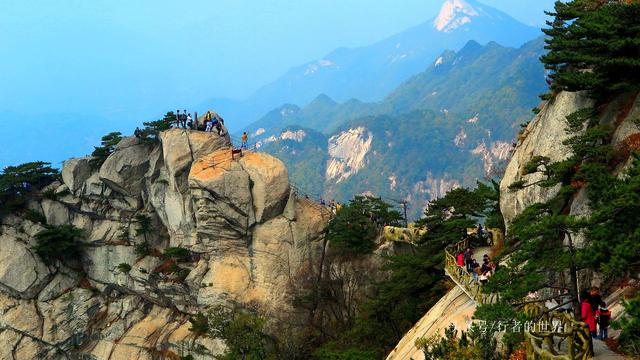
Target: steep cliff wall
{"points": [[246, 234], [454, 308], [544, 137]]}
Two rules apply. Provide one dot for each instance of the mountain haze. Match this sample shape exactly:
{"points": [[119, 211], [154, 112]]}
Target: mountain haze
{"points": [[369, 73], [445, 127]]}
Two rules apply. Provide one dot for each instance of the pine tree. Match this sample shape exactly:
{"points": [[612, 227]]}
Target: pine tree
{"points": [[593, 45], [356, 226], [19, 182], [107, 147]]}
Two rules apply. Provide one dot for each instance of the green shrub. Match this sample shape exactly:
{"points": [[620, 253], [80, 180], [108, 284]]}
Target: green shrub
{"points": [[355, 228], [630, 327], [50, 194], [144, 225], [326, 353], [124, 268], [35, 216], [177, 253], [59, 243], [199, 324], [142, 249], [471, 345]]}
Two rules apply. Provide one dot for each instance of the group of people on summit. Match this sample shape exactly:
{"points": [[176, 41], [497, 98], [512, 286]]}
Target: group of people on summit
{"points": [[211, 120]]}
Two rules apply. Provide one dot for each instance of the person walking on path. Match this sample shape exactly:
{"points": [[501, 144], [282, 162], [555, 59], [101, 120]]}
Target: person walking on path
{"points": [[587, 314], [245, 140], [603, 316]]}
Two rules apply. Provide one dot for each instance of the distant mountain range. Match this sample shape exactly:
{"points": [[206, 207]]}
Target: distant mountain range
{"points": [[447, 126], [369, 73]]}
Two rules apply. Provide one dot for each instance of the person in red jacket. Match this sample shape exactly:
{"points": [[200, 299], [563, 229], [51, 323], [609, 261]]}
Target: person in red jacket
{"points": [[603, 315], [587, 314], [460, 262]]}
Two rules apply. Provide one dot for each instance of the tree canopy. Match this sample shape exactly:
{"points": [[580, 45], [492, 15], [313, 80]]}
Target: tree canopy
{"points": [[17, 183]]}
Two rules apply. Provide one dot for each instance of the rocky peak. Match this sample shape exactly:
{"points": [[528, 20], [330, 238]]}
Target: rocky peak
{"points": [[243, 230], [453, 14]]}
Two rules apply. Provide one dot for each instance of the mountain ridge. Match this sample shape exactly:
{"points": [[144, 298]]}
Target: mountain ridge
{"points": [[369, 72]]}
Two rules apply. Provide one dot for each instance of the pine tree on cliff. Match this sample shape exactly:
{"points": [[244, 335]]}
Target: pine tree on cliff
{"points": [[593, 45], [106, 148], [18, 183]]}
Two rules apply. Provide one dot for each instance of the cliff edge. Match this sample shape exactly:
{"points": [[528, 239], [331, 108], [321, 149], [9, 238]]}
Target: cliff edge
{"points": [[240, 232]]}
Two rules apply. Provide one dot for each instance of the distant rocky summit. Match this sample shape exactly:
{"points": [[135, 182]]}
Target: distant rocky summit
{"points": [[231, 230]]}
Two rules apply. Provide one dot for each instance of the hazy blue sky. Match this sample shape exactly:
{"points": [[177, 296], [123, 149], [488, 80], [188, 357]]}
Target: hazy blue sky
{"points": [[108, 56]]}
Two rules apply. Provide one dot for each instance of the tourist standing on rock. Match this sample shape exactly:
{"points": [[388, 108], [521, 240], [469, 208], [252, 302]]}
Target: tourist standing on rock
{"points": [[189, 121], [178, 117], [587, 314], [184, 119], [137, 132], [603, 315], [245, 140]]}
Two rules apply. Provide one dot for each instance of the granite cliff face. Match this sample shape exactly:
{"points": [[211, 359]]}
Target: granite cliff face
{"points": [[544, 137], [245, 232]]}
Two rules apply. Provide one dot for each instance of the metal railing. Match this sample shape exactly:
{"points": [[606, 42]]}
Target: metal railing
{"points": [[463, 278], [562, 337]]}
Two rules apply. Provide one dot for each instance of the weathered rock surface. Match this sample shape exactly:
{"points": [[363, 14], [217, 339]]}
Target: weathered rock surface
{"points": [[124, 170], [75, 172], [246, 233], [544, 137], [22, 273], [454, 308]]}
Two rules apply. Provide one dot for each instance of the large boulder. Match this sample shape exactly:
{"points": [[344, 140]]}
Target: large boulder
{"points": [[222, 197], [182, 147], [270, 184], [124, 170], [169, 186], [75, 172], [22, 273]]}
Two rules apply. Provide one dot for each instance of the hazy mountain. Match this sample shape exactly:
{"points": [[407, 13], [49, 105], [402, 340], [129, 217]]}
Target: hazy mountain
{"points": [[447, 126], [369, 73]]}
